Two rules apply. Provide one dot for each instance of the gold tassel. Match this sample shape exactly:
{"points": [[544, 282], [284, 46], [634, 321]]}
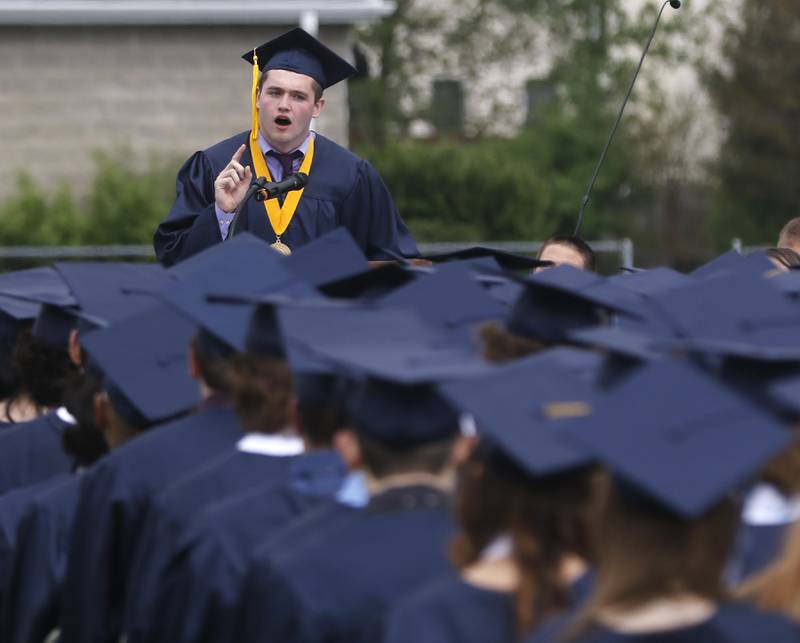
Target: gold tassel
{"points": [[256, 74]]}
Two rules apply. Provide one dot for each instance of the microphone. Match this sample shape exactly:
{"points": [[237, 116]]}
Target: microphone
{"points": [[296, 181], [675, 4], [263, 190]]}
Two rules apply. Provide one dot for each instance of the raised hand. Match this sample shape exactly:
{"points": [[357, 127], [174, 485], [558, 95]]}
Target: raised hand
{"points": [[232, 183]]}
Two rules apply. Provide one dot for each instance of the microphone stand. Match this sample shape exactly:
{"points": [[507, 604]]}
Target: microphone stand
{"points": [[255, 187], [675, 4]]}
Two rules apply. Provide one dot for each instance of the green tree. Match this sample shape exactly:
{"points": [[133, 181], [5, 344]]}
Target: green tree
{"points": [[756, 90]]}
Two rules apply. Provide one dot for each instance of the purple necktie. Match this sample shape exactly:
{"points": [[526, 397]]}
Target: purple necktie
{"points": [[287, 165]]}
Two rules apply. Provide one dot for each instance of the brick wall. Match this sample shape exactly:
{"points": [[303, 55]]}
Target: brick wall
{"points": [[65, 91]]}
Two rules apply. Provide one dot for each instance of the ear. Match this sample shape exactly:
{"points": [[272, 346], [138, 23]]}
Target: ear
{"points": [[346, 443], [101, 411], [462, 449], [74, 348], [194, 367], [318, 107]]}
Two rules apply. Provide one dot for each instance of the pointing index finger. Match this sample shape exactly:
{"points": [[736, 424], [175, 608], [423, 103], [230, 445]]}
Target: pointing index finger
{"points": [[238, 154]]}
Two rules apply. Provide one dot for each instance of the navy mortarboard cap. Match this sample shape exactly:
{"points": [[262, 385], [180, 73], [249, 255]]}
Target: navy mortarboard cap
{"points": [[301, 53], [110, 291], [786, 391], [737, 314], [679, 437], [520, 409], [450, 297], [54, 324], [735, 262], [651, 281], [506, 260], [402, 414], [390, 343], [144, 360], [331, 257], [245, 265], [371, 282], [37, 285]]}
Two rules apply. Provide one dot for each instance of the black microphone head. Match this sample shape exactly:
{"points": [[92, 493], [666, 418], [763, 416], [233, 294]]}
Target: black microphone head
{"points": [[301, 178], [675, 4]]}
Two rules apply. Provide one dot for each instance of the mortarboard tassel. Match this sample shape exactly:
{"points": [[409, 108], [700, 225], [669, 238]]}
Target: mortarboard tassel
{"points": [[256, 73]]}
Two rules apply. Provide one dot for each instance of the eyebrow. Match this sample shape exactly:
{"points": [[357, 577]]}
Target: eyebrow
{"points": [[302, 92]]}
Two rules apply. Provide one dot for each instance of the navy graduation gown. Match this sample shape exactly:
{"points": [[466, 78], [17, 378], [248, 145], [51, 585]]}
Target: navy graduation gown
{"points": [[32, 603], [13, 506], [450, 610], [337, 586], [114, 497], [32, 451], [342, 190], [732, 623], [199, 596], [225, 476]]}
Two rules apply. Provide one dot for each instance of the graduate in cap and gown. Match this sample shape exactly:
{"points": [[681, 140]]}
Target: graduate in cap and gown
{"points": [[523, 499], [122, 409], [677, 462], [339, 578], [289, 76]]}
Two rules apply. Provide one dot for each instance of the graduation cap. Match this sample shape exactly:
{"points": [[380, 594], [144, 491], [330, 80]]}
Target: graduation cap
{"points": [[561, 299], [678, 437], [244, 265], [385, 342], [402, 414], [332, 257], [143, 359], [371, 282], [734, 262], [449, 298], [732, 314], [110, 291], [655, 280], [38, 286], [506, 260], [299, 52], [520, 409]]}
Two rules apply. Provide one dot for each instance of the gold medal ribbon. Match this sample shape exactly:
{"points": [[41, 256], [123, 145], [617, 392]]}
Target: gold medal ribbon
{"points": [[279, 217]]}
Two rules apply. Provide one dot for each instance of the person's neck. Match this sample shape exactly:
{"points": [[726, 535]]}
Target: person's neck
{"points": [[285, 148], [501, 574], [444, 481], [20, 409], [660, 614]]}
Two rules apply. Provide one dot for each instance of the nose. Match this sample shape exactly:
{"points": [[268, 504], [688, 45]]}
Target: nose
{"points": [[283, 104]]}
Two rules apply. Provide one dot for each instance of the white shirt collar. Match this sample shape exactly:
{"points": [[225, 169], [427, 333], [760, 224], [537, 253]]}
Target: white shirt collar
{"points": [[65, 416], [274, 445], [765, 506]]}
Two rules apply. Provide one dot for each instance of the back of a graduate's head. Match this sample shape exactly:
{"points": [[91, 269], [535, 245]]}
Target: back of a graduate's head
{"points": [[402, 429], [789, 236], [784, 258], [213, 360], [83, 441], [500, 345], [117, 417], [568, 249], [546, 518], [43, 371], [321, 403], [645, 551], [262, 379]]}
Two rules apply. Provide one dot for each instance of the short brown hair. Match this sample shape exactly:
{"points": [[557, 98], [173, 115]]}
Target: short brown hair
{"points": [[315, 86], [383, 459], [262, 388], [790, 234], [577, 244], [500, 346]]}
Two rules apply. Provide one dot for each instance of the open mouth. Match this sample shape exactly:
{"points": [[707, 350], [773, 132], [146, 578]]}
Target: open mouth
{"points": [[283, 121]]}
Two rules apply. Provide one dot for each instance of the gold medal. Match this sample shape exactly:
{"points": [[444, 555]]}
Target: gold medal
{"points": [[281, 247]]}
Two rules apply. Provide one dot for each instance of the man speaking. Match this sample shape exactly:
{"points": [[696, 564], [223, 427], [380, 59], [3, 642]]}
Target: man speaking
{"points": [[289, 76]]}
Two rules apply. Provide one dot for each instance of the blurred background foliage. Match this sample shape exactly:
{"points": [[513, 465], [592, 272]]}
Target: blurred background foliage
{"points": [[474, 183]]}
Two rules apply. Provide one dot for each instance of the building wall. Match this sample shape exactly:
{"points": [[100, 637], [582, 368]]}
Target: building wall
{"points": [[66, 91]]}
